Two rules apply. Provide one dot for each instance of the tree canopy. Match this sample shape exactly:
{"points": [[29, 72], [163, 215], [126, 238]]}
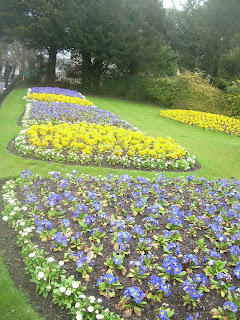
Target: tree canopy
{"points": [[130, 37]]}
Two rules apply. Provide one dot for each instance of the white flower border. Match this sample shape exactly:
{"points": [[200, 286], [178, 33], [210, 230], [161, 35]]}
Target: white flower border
{"points": [[24, 227]]}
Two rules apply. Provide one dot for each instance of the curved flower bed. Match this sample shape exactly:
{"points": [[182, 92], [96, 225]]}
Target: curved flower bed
{"points": [[204, 120], [39, 112], [83, 142], [138, 247], [58, 98], [56, 91]]}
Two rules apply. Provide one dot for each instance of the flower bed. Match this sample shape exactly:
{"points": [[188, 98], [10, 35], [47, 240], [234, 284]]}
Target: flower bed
{"points": [[204, 120], [56, 91], [39, 112], [58, 98], [83, 142], [138, 247]]}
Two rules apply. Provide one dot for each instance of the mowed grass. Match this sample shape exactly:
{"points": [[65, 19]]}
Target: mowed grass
{"points": [[13, 304], [217, 153]]}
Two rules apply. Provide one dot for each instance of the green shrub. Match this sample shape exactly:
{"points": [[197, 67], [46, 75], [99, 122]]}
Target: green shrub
{"points": [[233, 95], [128, 87], [188, 91]]}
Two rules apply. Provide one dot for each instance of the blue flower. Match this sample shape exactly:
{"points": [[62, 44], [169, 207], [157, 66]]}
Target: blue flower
{"points": [[230, 306], [111, 279], [188, 258], [195, 294], [162, 314], [214, 254], [200, 278], [92, 195], [135, 293], [65, 223], [237, 270], [80, 263], [89, 220], [117, 260]]}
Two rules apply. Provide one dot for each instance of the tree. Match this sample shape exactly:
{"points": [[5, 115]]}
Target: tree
{"points": [[126, 34], [203, 34], [41, 24]]}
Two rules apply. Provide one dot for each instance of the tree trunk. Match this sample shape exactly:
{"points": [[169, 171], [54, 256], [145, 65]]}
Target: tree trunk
{"points": [[86, 71], [98, 75], [51, 66]]}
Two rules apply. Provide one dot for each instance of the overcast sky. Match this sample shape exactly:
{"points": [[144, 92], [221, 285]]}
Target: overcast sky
{"points": [[169, 3]]}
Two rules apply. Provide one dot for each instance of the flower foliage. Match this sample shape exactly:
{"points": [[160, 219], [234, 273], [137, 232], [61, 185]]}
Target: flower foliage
{"points": [[58, 98], [39, 112], [97, 241], [56, 91], [64, 127], [85, 142], [204, 120]]}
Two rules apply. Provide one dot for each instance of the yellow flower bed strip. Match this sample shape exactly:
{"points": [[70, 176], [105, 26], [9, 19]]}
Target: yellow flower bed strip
{"points": [[58, 98], [204, 120], [87, 142]]}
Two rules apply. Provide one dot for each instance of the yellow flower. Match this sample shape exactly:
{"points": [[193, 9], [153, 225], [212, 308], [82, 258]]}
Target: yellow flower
{"points": [[204, 120], [102, 139]]}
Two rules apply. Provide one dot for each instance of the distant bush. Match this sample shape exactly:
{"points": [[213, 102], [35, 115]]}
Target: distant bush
{"points": [[233, 95], [127, 87], [188, 91]]}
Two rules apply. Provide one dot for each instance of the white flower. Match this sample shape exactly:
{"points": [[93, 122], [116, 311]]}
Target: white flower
{"points": [[61, 263], [41, 275], [79, 316], [32, 254], [92, 298], [16, 208], [99, 300], [82, 296], [90, 309], [77, 305], [49, 287], [38, 267], [24, 208], [5, 218], [100, 316], [26, 241], [68, 292], [51, 259], [12, 213], [75, 285], [62, 289]]}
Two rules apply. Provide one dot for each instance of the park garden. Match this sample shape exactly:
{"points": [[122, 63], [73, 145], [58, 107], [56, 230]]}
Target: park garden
{"points": [[120, 160], [113, 217]]}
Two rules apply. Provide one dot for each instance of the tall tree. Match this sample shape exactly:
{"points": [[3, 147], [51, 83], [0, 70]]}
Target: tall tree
{"points": [[203, 33], [126, 34]]}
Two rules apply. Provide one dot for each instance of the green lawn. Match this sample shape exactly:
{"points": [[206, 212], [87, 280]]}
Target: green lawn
{"points": [[13, 304], [217, 153]]}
